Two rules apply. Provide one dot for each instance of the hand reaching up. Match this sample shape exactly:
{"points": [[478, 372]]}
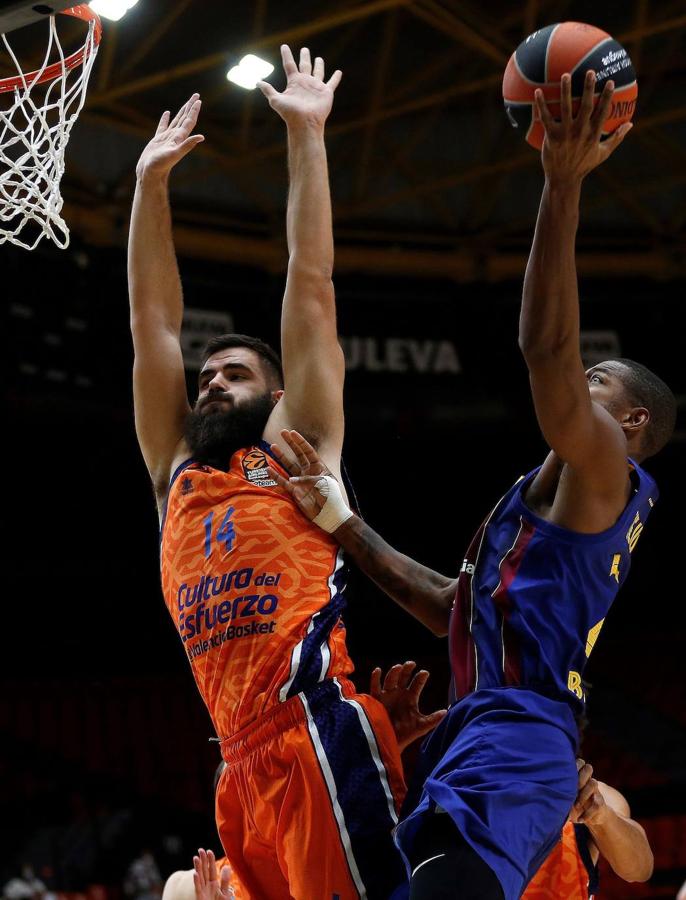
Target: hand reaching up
{"points": [[307, 98]]}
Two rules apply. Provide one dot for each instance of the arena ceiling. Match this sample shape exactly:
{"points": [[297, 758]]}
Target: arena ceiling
{"points": [[427, 176]]}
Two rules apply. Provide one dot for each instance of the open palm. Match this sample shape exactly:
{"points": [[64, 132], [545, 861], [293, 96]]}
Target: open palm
{"points": [[305, 469], [306, 97], [172, 140], [208, 883]]}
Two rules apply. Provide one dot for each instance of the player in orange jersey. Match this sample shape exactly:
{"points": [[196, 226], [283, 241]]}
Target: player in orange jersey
{"points": [[313, 780], [399, 692]]}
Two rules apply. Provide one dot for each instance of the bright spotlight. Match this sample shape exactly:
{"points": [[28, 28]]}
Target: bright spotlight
{"points": [[249, 71], [114, 10]]}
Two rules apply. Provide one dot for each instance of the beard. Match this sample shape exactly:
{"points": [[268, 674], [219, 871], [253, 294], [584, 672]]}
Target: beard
{"points": [[214, 437]]}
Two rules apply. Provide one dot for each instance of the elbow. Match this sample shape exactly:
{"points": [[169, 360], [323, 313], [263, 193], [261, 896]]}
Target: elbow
{"points": [[644, 871], [439, 629], [444, 606], [313, 271], [543, 350], [641, 869]]}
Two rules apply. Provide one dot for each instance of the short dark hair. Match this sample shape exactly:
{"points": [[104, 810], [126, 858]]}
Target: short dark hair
{"points": [[271, 363], [644, 388]]}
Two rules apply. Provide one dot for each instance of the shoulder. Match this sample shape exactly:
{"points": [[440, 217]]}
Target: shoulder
{"points": [[179, 886], [166, 475], [614, 799]]}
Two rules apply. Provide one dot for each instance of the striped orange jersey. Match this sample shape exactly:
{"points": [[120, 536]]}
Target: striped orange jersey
{"points": [[568, 872], [255, 590]]}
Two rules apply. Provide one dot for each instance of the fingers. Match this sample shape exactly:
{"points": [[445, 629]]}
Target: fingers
{"points": [[205, 865], [585, 774], [183, 112], [543, 112], [189, 144], [602, 110], [335, 79], [435, 718], [418, 684], [406, 671], [590, 809], [305, 62], [164, 123], [267, 89], [392, 676], [375, 683], [289, 65], [584, 797], [566, 98], [586, 107], [211, 865], [425, 724], [198, 879], [304, 451], [608, 147], [290, 465], [224, 880], [318, 68], [280, 480]]}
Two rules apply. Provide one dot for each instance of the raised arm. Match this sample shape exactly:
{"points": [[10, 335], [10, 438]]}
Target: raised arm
{"points": [[159, 386], [618, 838], [580, 432], [425, 594], [312, 358]]}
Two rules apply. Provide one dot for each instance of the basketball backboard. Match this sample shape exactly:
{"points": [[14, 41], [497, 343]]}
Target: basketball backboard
{"points": [[17, 13]]}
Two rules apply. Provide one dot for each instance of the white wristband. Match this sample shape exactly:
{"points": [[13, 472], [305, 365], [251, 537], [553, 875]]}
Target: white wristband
{"points": [[335, 510]]}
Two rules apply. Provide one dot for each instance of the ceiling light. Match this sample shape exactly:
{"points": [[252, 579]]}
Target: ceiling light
{"points": [[249, 71], [114, 10]]}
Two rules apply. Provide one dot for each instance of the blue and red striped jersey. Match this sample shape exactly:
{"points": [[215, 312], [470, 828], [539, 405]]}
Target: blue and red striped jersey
{"points": [[532, 596]]}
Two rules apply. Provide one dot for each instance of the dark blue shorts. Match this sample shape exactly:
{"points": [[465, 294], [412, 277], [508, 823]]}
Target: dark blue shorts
{"points": [[502, 766]]}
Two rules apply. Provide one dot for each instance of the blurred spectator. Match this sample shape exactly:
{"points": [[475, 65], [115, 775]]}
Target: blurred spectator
{"points": [[26, 887], [143, 880]]}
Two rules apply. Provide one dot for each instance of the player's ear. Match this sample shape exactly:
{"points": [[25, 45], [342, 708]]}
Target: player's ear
{"points": [[277, 395], [635, 420]]}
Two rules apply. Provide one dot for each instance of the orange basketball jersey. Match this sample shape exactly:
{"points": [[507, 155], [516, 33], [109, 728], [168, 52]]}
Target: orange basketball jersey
{"points": [[255, 590], [567, 873]]}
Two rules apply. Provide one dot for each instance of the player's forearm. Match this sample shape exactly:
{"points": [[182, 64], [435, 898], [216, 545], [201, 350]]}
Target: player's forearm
{"points": [[425, 594], [154, 282], [308, 220], [549, 320], [624, 845]]}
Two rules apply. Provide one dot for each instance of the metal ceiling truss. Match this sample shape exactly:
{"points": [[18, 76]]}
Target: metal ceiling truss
{"points": [[469, 60]]}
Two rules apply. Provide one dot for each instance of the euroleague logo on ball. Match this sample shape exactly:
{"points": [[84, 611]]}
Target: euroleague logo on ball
{"points": [[545, 56]]}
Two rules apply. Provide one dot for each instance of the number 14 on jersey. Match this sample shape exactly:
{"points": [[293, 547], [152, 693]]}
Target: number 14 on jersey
{"points": [[226, 533]]}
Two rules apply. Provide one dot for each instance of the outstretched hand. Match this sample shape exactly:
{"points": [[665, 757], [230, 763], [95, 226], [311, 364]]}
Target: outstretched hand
{"points": [[305, 468], [173, 139], [572, 147], [400, 694], [307, 98], [208, 885]]}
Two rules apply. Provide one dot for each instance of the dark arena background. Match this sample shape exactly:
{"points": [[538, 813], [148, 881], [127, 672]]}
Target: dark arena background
{"points": [[105, 752]]}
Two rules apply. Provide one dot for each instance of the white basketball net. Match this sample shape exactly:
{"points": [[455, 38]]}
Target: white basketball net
{"points": [[34, 132]]}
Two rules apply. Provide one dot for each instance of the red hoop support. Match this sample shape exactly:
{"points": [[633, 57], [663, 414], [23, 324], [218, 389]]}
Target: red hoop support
{"points": [[54, 70]]}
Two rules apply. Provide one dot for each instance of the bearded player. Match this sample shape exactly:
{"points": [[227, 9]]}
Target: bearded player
{"points": [[498, 775], [308, 799]]}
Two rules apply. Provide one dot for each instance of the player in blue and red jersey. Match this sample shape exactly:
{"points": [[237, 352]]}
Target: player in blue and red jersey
{"points": [[498, 776]]}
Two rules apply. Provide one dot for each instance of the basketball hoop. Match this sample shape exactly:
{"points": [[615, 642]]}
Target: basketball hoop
{"points": [[34, 132]]}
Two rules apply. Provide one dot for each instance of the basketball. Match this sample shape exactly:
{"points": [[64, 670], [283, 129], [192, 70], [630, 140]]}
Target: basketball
{"points": [[542, 59]]}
